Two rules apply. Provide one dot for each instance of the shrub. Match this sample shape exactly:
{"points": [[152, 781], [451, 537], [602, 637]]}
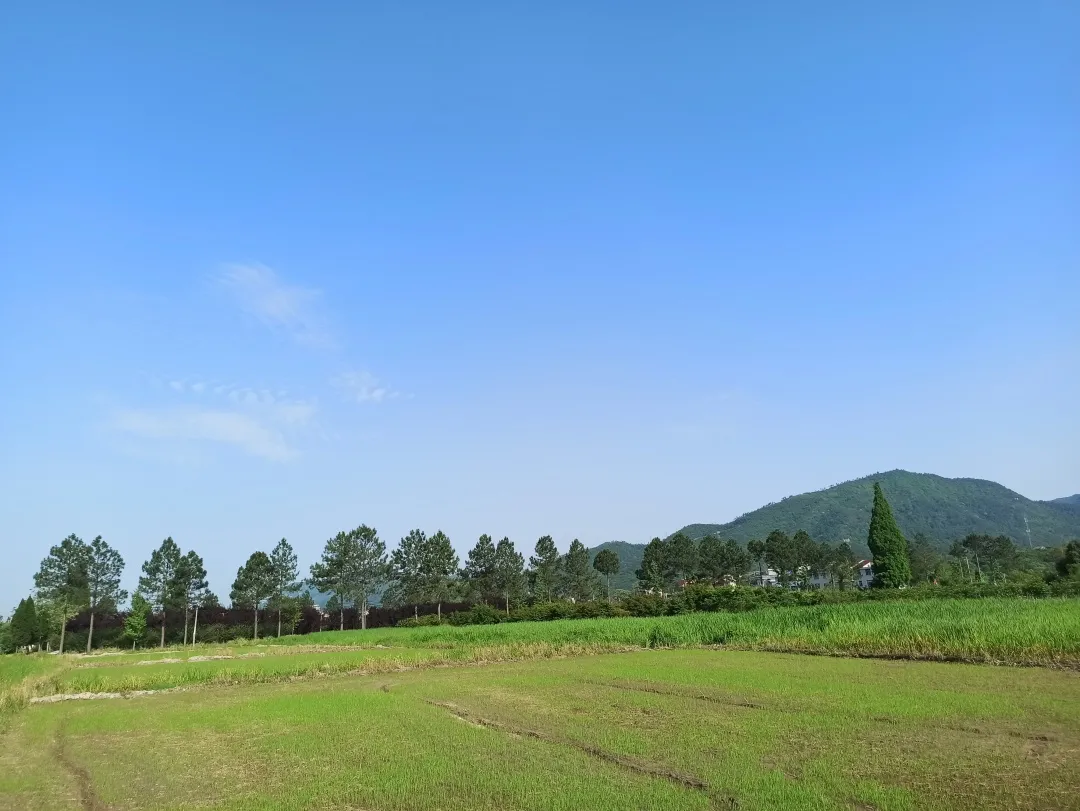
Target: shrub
{"points": [[423, 621]]}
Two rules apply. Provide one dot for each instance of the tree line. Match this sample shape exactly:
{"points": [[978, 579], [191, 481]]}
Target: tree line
{"points": [[77, 577]]}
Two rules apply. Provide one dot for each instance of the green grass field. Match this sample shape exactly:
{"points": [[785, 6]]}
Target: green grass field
{"points": [[545, 716]]}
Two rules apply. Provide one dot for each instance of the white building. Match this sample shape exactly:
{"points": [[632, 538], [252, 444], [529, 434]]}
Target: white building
{"points": [[864, 573]]}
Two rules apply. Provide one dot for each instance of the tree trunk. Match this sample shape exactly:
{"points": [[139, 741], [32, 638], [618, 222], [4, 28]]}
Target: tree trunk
{"points": [[507, 595], [185, 625], [279, 621], [256, 636], [162, 627], [342, 626], [439, 609], [90, 636], [195, 627], [63, 627], [363, 614]]}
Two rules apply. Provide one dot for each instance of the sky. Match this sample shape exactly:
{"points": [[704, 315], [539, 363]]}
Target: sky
{"points": [[594, 270]]}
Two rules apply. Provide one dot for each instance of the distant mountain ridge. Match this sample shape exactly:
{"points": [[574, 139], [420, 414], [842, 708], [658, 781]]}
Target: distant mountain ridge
{"points": [[940, 508]]}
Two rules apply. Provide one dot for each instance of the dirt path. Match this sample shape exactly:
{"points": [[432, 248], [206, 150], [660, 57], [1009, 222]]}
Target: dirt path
{"points": [[88, 798]]}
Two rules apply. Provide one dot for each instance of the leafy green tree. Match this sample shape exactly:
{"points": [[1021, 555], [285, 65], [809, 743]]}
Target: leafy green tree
{"points": [[710, 559], [439, 569], [292, 609], [756, 551], [480, 569], [135, 621], [254, 585], [285, 576], [191, 589], [579, 578], [782, 556], [407, 571], [924, 559], [1068, 565], [734, 561], [607, 563], [158, 583], [544, 570], [6, 645], [680, 558], [892, 567], [61, 581], [651, 574], [353, 566], [841, 565], [992, 556], [25, 625], [104, 566], [509, 572], [807, 556]]}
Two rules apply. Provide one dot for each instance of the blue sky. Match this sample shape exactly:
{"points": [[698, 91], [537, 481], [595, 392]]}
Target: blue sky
{"points": [[596, 270]]}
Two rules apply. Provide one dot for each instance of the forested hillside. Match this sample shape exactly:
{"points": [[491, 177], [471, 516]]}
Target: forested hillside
{"points": [[942, 509]]}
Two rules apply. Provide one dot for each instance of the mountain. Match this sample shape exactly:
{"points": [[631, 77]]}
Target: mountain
{"points": [[1070, 502], [942, 509], [630, 555]]}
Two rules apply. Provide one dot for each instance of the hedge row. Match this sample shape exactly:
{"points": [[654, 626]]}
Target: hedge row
{"points": [[736, 599]]}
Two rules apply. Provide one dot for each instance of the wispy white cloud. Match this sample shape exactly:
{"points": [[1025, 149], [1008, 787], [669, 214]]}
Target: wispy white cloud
{"points": [[258, 422], [292, 309], [199, 424], [363, 387]]}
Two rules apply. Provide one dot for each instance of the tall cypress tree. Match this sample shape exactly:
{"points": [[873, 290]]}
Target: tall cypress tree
{"points": [[24, 625], [892, 566]]}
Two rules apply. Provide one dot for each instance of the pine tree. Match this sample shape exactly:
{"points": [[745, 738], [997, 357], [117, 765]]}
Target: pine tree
{"points": [[407, 571], [192, 588], [509, 572], [158, 582], [479, 569], [651, 574], [61, 582], [284, 576], [607, 563], [544, 570], [680, 558], [353, 567], [439, 566], [892, 567], [104, 566], [254, 585], [329, 574], [579, 578]]}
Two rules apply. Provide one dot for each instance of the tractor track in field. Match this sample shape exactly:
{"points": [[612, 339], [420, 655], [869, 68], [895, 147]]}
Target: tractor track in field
{"points": [[693, 694], [654, 770], [88, 798]]}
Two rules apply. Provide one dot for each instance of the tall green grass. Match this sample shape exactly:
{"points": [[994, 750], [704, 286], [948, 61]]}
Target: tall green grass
{"points": [[999, 631], [1007, 630]]}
